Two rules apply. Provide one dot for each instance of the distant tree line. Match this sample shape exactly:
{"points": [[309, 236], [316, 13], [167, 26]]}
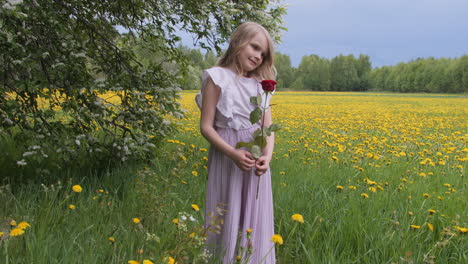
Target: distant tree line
{"points": [[350, 73]]}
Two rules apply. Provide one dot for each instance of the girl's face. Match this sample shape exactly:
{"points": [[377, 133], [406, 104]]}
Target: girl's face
{"points": [[251, 55]]}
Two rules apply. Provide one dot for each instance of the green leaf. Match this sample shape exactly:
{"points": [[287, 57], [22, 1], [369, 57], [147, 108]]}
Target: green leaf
{"points": [[255, 115], [256, 100], [260, 141], [257, 133], [274, 127], [242, 144], [256, 151]]}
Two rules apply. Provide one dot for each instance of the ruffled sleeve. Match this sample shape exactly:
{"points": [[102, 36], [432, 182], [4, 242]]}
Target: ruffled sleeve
{"points": [[221, 78]]}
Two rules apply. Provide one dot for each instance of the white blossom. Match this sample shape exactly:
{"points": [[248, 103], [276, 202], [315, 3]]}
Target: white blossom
{"points": [[21, 163], [29, 153]]}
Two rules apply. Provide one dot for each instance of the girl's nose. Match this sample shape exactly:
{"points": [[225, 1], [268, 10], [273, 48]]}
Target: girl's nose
{"points": [[258, 56]]}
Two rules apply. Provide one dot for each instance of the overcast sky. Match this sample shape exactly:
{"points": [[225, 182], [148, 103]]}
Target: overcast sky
{"points": [[389, 31]]}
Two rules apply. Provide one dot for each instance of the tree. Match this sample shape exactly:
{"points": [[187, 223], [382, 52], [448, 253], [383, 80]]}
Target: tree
{"points": [[363, 68], [285, 71], [59, 57], [343, 73]]}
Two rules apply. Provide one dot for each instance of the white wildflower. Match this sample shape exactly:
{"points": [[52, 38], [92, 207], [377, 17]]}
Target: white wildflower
{"points": [[21, 163], [29, 153]]}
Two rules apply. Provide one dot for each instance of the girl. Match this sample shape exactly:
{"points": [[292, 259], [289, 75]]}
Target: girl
{"points": [[239, 226]]}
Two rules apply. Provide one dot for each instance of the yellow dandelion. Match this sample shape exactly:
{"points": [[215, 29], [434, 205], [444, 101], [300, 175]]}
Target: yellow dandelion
{"points": [[447, 185], [12, 222], [203, 150], [440, 197], [372, 189], [169, 260], [426, 195], [430, 226], [297, 218], [147, 261], [422, 174], [370, 182], [194, 173], [175, 221], [431, 211], [364, 195], [352, 187], [136, 220], [77, 188], [195, 207], [277, 239], [339, 188], [1, 234], [192, 234], [16, 232], [72, 207], [248, 230], [133, 262], [192, 145], [23, 225], [282, 173], [111, 239], [461, 229], [238, 258], [415, 226]]}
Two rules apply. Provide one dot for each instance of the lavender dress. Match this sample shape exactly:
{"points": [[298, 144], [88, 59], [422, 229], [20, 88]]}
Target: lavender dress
{"points": [[231, 206]]}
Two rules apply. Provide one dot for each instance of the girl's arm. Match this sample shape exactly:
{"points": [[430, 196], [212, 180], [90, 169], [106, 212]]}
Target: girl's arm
{"points": [[210, 96], [263, 163]]}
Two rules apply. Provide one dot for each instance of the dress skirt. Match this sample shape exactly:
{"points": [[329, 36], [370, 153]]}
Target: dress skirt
{"points": [[232, 207]]}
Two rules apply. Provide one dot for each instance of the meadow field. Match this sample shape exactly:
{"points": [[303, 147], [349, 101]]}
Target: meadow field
{"points": [[376, 177]]}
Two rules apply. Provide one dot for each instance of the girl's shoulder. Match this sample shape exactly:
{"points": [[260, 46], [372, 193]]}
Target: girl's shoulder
{"points": [[220, 76], [220, 71]]}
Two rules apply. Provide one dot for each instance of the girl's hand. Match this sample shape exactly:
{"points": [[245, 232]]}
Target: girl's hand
{"points": [[243, 159], [262, 165]]}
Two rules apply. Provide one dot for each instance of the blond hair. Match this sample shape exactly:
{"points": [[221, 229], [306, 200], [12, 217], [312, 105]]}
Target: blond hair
{"points": [[239, 39]]}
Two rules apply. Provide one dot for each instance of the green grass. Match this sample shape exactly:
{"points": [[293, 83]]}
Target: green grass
{"points": [[340, 225]]}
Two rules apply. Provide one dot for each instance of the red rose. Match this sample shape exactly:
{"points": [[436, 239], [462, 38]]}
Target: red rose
{"points": [[268, 85]]}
